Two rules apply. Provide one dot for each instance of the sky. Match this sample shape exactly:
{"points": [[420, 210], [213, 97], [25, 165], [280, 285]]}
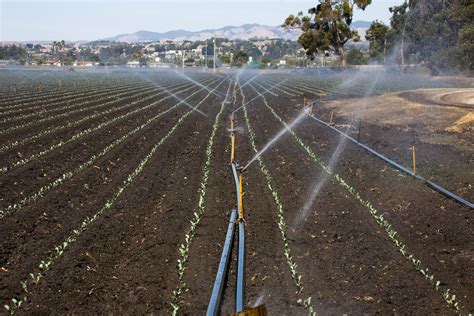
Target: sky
{"points": [[23, 20]]}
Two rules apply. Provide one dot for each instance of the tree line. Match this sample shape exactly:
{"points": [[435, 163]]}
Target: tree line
{"points": [[436, 33]]}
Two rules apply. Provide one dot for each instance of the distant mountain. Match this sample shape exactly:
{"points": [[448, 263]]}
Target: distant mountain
{"points": [[243, 32], [361, 28], [361, 24]]}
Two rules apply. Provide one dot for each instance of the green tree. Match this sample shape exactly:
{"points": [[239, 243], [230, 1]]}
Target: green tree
{"points": [[377, 36], [356, 57], [435, 32], [266, 60], [465, 47], [240, 58], [135, 55], [225, 59], [327, 26], [399, 21], [13, 52]]}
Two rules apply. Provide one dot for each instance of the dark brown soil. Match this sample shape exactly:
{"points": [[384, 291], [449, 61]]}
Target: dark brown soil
{"points": [[125, 262]]}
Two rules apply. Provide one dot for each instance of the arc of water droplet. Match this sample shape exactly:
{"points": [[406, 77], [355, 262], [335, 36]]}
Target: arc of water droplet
{"points": [[172, 94], [283, 131], [200, 84], [260, 94]]}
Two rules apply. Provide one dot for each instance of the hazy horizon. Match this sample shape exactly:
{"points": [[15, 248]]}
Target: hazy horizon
{"points": [[73, 20]]}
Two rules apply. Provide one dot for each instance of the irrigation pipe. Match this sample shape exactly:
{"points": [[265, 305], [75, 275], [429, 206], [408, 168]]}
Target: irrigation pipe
{"points": [[236, 217], [281, 223], [396, 165], [186, 244], [216, 295], [240, 293], [447, 295]]}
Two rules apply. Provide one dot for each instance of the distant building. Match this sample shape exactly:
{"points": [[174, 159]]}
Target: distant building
{"points": [[81, 63], [133, 64]]}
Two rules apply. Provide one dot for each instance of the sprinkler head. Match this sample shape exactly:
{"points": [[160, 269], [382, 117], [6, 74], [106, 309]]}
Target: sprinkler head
{"points": [[241, 169]]}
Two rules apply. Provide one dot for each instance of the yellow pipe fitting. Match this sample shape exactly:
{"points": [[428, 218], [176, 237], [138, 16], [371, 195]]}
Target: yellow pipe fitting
{"points": [[414, 160], [232, 155], [241, 210]]}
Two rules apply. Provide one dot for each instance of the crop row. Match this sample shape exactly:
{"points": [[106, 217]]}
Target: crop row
{"points": [[44, 99], [449, 298], [194, 222], [84, 132], [82, 107], [71, 85], [71, 104], [80, 121], [281, 87], [282, 227], [52, 103], [45, 265], [39, 193], [335, 88]]}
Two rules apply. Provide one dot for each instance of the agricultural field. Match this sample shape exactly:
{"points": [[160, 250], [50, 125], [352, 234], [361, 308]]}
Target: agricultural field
{"points": [[116, 190]]}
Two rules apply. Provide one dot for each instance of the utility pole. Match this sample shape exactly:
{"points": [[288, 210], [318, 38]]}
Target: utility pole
{"points": [[183, 59], [205, 57], [214, 41]]}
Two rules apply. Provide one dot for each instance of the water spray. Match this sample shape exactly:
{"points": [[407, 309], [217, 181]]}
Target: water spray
{"points": [[236, 218], [200, 84], [397, 166], [260, 94], [175, 96], [303, 114]]}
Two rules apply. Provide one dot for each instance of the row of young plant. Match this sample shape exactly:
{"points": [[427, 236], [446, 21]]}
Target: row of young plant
{"points": [[354, 88], [298, 90], [71, 104], [295, 89], [197, 216], [117, 97], [68, 89], [447, 295], [295, 275], [45, 265], [12, 100], [323, 86], [81, 120], [83, 107], [39, 193], [82, 133], [44, 102], [281, 87], [268, 89]]}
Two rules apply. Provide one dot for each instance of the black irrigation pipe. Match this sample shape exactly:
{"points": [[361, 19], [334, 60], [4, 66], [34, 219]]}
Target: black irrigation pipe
{"points": [[429, 183]]}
